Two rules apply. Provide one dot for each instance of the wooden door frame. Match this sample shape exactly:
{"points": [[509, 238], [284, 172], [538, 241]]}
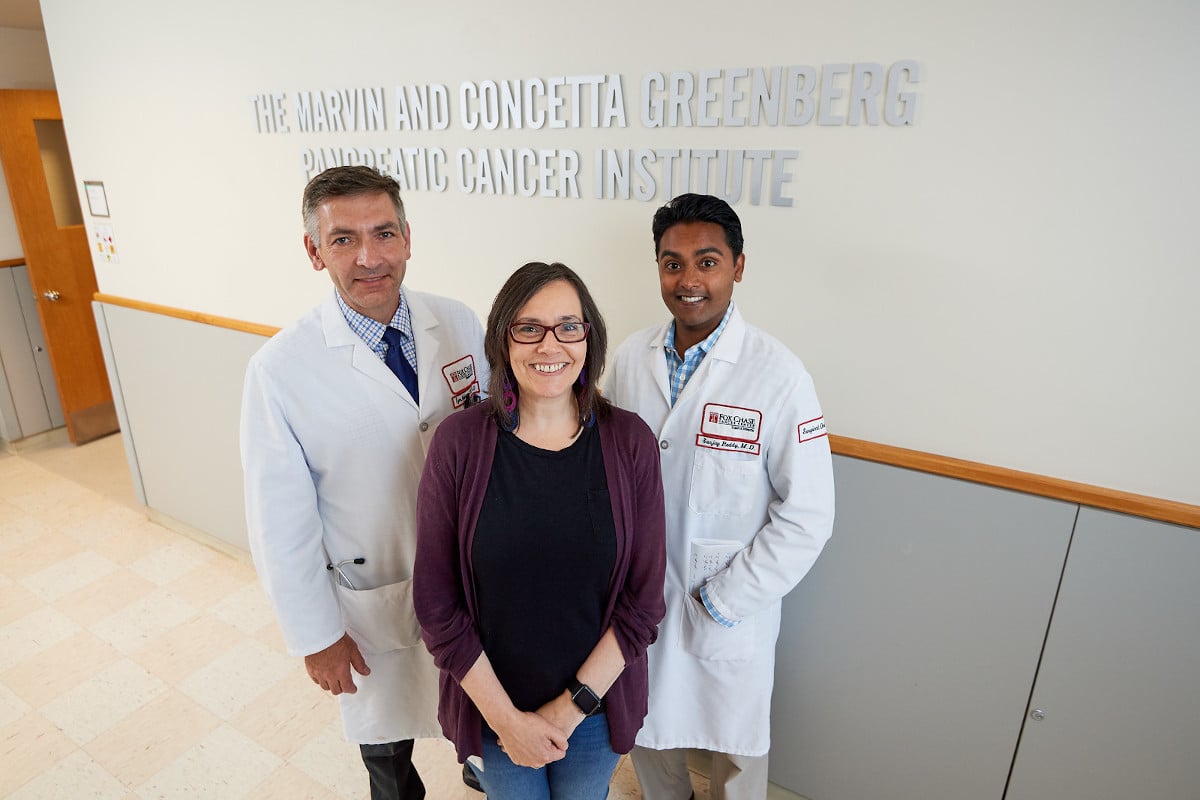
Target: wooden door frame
{"points": [[71, 337]]}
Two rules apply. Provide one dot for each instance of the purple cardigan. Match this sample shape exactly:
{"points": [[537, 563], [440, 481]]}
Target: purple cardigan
{"points": [[450, 496]]}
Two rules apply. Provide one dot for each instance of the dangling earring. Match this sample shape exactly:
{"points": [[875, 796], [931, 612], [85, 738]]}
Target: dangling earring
{"points": [[510, 421], [510, 396], [591, 420]]}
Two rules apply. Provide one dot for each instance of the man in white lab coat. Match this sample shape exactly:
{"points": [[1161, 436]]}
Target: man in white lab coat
{"points": [[337, 414], [749, 486]]}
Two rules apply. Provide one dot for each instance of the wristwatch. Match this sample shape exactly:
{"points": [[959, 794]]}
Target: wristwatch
{"points": [[587, 700]]}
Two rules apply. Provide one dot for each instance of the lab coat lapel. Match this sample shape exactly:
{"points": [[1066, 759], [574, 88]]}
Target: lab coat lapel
{"points": [[429, 358], [339, 336], [729, 346], [661, 377]]}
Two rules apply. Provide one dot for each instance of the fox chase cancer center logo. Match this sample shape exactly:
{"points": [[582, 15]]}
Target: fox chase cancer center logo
{"points": [[725, 427], [460, 377]]}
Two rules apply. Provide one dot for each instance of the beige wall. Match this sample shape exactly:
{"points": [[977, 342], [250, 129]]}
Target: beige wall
{"points": [[1011, 280]]}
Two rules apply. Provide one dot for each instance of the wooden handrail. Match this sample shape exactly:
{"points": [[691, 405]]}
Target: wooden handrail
{"points": [[1000, 477], [191, 316], [11, 262], [1028, 482]]}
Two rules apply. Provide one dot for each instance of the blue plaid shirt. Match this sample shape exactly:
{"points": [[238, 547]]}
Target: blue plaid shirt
{"points": [[680, 370], [371, 331]]}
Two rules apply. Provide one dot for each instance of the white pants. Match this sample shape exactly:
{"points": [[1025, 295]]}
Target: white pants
{"points": [[663, 775]]}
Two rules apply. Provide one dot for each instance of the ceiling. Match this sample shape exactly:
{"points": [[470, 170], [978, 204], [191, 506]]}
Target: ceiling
{"points": [[25, 14]]}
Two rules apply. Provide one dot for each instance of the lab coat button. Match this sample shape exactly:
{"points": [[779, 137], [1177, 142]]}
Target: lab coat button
{"points": [[664, 444], [424, 427]]}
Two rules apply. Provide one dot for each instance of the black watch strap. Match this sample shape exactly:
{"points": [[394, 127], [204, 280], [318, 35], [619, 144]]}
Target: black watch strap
{"points": [[585, 699]]}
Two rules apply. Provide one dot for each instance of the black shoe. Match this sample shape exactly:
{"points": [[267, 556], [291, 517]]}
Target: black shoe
{"points": [[470, 778]]}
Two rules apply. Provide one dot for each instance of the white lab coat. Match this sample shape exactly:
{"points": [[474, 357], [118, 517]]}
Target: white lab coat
{"points": [[748, 482], [333, 447]]}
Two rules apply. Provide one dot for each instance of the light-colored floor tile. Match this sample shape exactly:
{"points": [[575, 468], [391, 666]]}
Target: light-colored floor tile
{"points": [[38, 552], [172, 561], [289, 715], [112, 593], [29, 747], [334, 763], [77, 775], [60, 668], [246, 609], [289, 783], [186, 648], [57, 500], [224, 764], [9, 512], [69, 575], [18, 533], [29, 635], [151, 738], [132, 541], [204, 588], [234, 679], [35, 490], [15, 600], [272, 637], [143, 620], [12, 706], [99, 465], [109, 520], [103, 700]]}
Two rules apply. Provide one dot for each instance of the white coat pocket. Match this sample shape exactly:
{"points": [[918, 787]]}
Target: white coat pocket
{"points": [[723, 485], [381, 619], [705, 638]]}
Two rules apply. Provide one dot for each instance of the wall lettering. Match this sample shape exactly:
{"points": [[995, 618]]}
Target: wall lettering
{"points": [[783, 97]]}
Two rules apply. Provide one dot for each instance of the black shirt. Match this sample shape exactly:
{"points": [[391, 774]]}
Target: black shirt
{"points": [[543, 556]]}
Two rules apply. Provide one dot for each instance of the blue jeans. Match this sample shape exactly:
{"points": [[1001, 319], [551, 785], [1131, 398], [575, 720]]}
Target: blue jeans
{"points": [[582, 774]]}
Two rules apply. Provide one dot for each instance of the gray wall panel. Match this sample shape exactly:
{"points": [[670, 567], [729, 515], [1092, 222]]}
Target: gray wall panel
{"points": [[31, 404], [37, 341], [907, 654], [1120, 680], [11, 335], [181, 383], [114, 383]]}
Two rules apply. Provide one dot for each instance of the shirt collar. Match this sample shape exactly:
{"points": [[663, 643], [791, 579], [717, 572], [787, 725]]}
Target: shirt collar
{"points": [[371, 331]]}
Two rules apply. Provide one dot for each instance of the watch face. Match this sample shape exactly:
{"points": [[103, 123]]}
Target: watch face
{"points": [[585, 698]]}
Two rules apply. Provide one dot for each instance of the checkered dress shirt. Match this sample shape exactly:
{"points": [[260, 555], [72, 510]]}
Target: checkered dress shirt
{"points": [[680, 370], [371, 331]]}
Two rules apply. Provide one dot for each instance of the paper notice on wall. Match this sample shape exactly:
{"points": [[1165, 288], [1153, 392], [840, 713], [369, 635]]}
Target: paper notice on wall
{"points": [[103, 245]]}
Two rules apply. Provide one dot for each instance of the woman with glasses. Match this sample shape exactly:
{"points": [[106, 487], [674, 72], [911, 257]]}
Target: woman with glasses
{"points": [[540, 553]]}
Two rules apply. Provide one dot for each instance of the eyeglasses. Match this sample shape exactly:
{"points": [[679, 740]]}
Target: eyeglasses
{"points": [[565, 332]]}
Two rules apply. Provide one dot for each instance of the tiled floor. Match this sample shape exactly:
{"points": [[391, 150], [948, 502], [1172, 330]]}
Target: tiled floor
{"points": [[137, 663]]}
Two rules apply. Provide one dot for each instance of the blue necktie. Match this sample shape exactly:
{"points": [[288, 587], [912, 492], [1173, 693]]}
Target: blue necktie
{"points": [[398, 364]]}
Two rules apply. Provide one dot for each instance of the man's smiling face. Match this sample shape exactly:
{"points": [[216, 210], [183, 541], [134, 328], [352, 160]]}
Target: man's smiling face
{"points": [[697, 271], [365, 249]]}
